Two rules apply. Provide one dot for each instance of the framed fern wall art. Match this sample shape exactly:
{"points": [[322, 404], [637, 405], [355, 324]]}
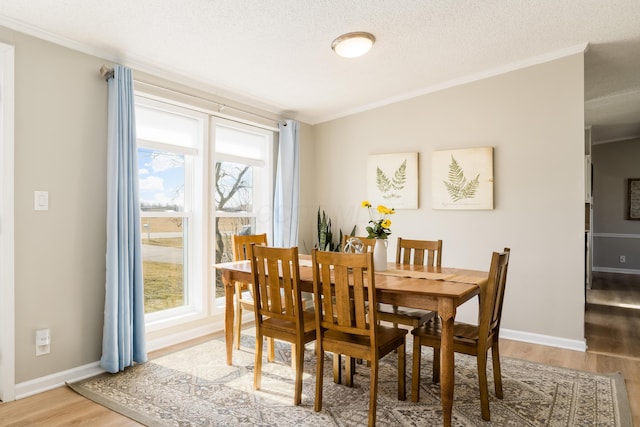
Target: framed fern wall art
{"points": [[392, 180], [463, 179]]}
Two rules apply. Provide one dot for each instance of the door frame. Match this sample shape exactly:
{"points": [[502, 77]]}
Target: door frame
{"points": [[7, 247]]}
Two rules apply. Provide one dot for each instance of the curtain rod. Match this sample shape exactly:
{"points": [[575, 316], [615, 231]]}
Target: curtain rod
{"points": [[107, 73]]}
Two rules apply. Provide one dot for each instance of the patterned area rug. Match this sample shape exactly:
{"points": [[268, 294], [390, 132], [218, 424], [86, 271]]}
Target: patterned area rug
{"points": [[195, 387]]}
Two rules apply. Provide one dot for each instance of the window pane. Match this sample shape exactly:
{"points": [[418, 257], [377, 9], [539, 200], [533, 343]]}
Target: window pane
{"points": [[168, 127], [163, 256], [225, 228], [233, 187], [162, 178]]}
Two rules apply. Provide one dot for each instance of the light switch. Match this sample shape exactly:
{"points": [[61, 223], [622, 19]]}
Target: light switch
{"points": [[42, 337], [41, 200]]}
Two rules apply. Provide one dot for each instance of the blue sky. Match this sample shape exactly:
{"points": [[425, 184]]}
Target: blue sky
{"points": [[161, 178]]}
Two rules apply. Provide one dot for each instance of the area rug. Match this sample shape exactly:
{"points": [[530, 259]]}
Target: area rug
{"points": [[195, 387]]}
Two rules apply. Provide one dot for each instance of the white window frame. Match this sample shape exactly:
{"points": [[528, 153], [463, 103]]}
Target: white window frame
{"points": [[195, 247]]}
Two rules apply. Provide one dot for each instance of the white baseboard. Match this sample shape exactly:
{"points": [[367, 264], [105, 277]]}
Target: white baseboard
{"points": [[38, 385], [577, 345], [616, 270]]}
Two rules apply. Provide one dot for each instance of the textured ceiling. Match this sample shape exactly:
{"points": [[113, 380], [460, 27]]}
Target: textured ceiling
{"points": [[276, 54]]}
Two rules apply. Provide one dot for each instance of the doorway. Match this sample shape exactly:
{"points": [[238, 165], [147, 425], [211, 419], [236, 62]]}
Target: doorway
{"points": [[612, 309]]}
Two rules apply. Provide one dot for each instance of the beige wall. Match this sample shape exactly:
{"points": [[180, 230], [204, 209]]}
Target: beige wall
{"points": [[310, 174], [613, 164], [60, 147], [534, 120]]}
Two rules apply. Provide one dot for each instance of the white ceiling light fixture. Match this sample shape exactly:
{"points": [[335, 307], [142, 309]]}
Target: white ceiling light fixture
{"points": [[353, 45]]}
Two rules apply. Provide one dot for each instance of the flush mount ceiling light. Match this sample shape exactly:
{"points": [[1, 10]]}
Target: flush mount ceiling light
{"points": [[352, 45]]}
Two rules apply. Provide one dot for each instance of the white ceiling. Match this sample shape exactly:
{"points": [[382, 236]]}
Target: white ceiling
{"points": [[276, 54]]}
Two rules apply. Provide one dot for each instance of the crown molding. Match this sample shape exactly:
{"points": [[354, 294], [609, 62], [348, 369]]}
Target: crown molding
{"points": [[491, 72]]}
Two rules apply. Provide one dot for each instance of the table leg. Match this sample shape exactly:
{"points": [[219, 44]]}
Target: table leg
{"points": [[228, 315], [447, 312]]}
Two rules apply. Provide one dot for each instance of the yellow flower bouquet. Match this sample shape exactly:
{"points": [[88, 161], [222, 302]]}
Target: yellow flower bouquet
{"points": [[379, 220]]}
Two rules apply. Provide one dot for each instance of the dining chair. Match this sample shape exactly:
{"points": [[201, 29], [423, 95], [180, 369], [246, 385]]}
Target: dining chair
{"points": [[474, 340], [369, 243], [342, 283], [243, 293], [278, 308], [423, 252]]}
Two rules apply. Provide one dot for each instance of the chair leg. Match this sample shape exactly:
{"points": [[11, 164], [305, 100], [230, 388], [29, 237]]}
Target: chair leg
{"points": [[395, 311], [349, 370], [415, 379], [337, 371], [238, 323], [299, 365], [257, 373], [373, 392], [497, 373], [484, 388], [293, 359], [271, 350], [436, 365], [317, 405], [402, 369]]}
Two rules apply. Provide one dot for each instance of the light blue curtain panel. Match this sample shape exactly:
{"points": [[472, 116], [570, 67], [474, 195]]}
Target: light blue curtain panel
{"points": [[287, 195], [123, 341]]}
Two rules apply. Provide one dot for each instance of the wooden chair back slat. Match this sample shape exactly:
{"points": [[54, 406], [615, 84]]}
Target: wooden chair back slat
{"points": [[240, 244], [346, 282], [422, 252], [493, 293], [277, 280]]}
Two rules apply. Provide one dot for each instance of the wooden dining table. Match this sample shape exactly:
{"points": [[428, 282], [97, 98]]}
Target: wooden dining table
{"points": [[440, 289]]}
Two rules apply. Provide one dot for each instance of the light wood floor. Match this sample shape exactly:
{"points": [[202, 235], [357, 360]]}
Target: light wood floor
{"points": [[615, 289], [612, 316], [613, 342]]}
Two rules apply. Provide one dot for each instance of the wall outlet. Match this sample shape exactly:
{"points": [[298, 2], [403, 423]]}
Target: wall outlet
{"points": [[43, 342], [623, 259]]}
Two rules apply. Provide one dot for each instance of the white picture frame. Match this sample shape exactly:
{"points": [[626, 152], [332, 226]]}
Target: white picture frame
{"points": [[392, 180], [463, 179]]}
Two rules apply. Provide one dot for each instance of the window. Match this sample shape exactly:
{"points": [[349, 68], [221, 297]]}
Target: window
{"points": [[170, 166], [242, 185], [202, 179]]}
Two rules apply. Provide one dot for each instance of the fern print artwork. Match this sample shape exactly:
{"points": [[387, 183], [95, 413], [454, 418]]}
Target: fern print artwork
{"points": [[391, 187], [392, 180], [462, 179], [457, 185]]}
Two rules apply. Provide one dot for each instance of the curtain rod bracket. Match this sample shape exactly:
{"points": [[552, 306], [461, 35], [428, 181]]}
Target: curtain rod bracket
{"points": [[106, 72]]}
